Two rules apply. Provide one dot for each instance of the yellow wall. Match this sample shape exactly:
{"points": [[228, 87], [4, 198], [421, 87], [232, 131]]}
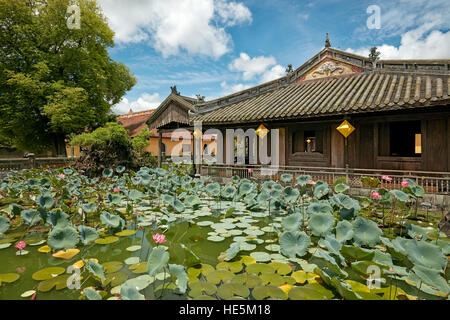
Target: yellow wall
{"points": [[175, 147]]}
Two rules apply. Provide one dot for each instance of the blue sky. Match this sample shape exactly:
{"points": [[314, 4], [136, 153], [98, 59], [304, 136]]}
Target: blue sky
{"points": [[216, 47]]}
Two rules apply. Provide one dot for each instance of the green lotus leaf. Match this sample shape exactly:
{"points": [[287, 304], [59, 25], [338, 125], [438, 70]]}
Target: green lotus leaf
{"points": [[425, 254], [63, 238], [321, 224], [96, 269], [286, 177], [180, 272], [141, 282], [231, 252], [15, 209], [370, 182], [416, 232], [213, 189], [444, 245], [332, 245], [349, 214], [4, 224], [260, 256], [353, 253], [269, 291], [218, 276], [344, 231], [417, 191], [112, 266], [342, 201], [9, 277], [107, 240], [229, 191], [134, 195], [227, 290], [331, 262], [114, 198], [345, 290], [89, 207], [303, 180], [294, 244], [200, 286], [58, 218], [260, 268], [400, 195], [244, 188], [341, 188], [178, 206], [48, 273], [111, 220], [247, 279], [292, 222], [306, 293], [45, 201], [120, 169], [191, 200], [87, 234], [321, 189], [115, 279], [364, 267], [157, 260], [290, 194], [366, 232], [31, 217], [319, 207], [129, 292], [432, 277], [383, 258], [91, 294], [59, 283], [107, 173], [281, 268]]}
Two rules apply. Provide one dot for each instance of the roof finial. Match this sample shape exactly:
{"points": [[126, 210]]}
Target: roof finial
{"points": [[174, 90], [327, 42]]}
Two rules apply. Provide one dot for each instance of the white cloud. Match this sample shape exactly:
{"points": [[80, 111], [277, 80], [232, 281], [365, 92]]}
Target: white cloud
{"points": [[172, 26], [264, 67], [273, 73], [419, 43], [229, 89], [232, 13], [145, 102]]}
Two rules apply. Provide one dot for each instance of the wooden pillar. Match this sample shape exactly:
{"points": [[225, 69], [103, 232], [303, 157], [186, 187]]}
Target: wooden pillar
{"points": [[282, 146], [159, 149]]}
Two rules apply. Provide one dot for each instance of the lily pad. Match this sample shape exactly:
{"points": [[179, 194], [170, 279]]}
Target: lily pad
{"points": [[126, 233], [66, 254], [134, 248], [260, 256], [107, 240], [269, 291], [48, 273]]}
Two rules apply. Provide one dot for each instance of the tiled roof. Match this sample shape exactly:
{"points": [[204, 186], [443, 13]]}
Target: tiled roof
{"points": [[368, 91], [135, 122]]}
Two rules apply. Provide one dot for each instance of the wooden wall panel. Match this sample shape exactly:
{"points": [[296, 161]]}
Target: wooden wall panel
{"points": [[337, 147], [436, 145], [366, 146]]}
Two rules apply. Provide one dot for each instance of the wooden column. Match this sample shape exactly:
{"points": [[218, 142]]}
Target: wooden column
{"points": [[159, 149], [282, 146]]}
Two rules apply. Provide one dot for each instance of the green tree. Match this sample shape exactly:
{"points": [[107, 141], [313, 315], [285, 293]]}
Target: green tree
{"points": [[54, 80], [140, 141]]}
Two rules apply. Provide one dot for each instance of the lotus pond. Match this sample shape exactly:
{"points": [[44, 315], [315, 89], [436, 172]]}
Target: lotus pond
{"points": [[159, 234]]}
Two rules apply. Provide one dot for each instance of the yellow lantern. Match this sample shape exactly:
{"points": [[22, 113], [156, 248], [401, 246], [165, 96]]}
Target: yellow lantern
{"points": [[197, 133], [262, 131], [345, 128]]}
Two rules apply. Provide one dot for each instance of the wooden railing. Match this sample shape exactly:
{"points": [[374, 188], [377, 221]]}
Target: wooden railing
{"points": [[31, 163], [432, 182]]}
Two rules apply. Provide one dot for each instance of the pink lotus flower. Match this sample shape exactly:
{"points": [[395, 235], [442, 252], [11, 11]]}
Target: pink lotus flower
{"points": [[61, 176], [20, 245], [391, 269], [388, 179], [250, 170], [311, 182], [159, 238], [405, 184], [116, 189], [376, 195]]}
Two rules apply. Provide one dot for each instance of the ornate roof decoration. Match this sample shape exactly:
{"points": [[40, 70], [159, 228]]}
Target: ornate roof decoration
{"points": [[327, 42]]}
